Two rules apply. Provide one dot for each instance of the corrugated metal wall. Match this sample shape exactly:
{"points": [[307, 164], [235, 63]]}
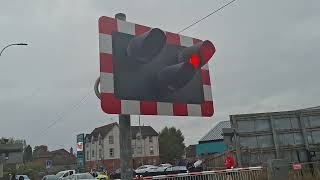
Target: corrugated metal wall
{"points": [[210, 147], [289, 134]]}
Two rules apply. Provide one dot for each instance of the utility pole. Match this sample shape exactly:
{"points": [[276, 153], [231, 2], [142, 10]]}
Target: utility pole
{"points": [[125, 136]]}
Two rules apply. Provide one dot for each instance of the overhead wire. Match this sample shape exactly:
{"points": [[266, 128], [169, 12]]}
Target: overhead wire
{"points": [[66, 113], [213, 12]]}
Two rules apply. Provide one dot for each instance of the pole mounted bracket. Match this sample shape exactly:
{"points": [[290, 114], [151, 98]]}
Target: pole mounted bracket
{"points": [[96, 88]]}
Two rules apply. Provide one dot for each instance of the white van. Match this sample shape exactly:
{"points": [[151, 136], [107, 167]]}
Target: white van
{"points": [[63, 175]]}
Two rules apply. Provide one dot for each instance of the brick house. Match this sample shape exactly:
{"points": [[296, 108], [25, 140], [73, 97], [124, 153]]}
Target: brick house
{"points": [[60, 157], [102, 146]]}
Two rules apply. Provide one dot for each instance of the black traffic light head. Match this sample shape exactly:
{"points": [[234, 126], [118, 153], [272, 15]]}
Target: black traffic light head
{"points": [[144, 47], [148, 71], [199, 54]]}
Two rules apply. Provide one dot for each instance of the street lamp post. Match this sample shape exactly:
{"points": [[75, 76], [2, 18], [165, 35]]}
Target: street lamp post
{"points": [[15, 44]]}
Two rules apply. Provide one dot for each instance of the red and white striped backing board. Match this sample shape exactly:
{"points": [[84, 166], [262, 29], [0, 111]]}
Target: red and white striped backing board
{"points": [[112, 105]]}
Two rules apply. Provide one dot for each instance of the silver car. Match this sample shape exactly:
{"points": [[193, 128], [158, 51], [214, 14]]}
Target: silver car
{"points": [[146, 169], [81, 176]]}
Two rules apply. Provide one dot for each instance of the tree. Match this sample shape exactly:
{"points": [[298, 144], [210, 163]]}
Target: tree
{"points": [[171, 144], [27, 154], [30, 169]]}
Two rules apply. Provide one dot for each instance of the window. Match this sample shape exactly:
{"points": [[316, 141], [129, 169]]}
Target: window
{"points": [[111, 140], [286, 139], [151, 150], [298, 139], [316, 136], [88, 154], [262, 125], [100, 153], [314, 121], [138, 136], [92, 155], [133, 148], [139, 150], [111, 152], [250, 142], [6, 155], [150, 139], [87, 145], [265, 141], [246, 126]]}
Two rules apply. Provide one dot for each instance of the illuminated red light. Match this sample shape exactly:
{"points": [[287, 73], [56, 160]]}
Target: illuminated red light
{"points": [[194, 61], [206, 51]]}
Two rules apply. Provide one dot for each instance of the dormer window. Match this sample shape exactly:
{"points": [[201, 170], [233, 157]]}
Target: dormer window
{"points": [[100, 140], [138, 136]]}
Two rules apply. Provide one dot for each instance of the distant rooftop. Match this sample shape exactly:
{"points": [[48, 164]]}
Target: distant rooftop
{"points": [[215, 132], [104, 130]]}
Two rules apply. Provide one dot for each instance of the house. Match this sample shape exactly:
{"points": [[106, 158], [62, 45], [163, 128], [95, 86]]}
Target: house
{"points": [[293, 135], [212, 142], [60, 158], [102, 146], [11, 156], [191, 154]]}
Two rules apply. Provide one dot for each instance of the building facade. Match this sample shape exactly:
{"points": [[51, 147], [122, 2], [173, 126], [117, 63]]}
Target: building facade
{"points": [[11, 157], [60, 158], [102, 146], [11, 154], [212, 142], [291, 135]]}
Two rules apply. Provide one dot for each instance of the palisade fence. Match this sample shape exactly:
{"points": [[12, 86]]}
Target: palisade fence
{"points": [[251, 173], [308, 171]]}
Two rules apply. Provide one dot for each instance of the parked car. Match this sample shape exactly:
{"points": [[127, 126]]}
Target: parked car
{"points": [[50, 177], [146, 169], [162, 167], [63, 175], [195, 167], [174, 170], [117, 174], [22, 177], [81, 176]]}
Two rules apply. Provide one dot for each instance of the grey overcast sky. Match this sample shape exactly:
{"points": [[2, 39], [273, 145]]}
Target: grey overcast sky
{"points": [[267, 59]]}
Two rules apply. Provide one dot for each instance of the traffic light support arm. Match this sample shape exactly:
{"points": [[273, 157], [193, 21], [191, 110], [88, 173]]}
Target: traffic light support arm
{"points": [[96, 88], [15, 44]]}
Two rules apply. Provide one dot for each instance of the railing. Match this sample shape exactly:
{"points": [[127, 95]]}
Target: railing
{"points": [[251, 173], [308, 171]]}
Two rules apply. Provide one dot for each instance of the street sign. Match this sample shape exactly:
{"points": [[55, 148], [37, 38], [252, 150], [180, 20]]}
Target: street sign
{"points": [[48, 164], [80, 150], [296, 166], [79, 146], [145, 71]]}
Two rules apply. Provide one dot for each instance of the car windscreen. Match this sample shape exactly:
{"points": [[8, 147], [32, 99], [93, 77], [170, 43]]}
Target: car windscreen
{"points": [[60, 174]]}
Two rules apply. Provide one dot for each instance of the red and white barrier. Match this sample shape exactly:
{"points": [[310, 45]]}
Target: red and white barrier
{"points": [[247, 172]]}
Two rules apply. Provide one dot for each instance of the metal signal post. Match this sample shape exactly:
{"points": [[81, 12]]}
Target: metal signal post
{"points": [[125, 136]]}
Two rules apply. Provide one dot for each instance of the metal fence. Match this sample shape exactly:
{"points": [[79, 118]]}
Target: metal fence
{"points": [[308, 171], [251, 173]]}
